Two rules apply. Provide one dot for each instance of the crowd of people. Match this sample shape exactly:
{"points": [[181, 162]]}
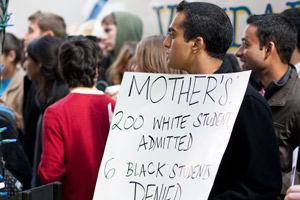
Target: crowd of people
{"points": [[58, 93]]}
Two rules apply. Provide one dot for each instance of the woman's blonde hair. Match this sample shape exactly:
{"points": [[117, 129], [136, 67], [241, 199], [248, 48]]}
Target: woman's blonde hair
{"points": [[123, 62], [151, 56]]}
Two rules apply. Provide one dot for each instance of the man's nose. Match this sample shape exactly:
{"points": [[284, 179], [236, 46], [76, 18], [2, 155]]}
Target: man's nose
{"points": [[25, 37], [239, 52], [166, 42]]}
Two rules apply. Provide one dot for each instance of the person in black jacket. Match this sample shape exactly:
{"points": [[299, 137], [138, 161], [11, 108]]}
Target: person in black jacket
{"points": [[12, 154], [268, 44], [40, 24], [199, 37], [42, 66]]}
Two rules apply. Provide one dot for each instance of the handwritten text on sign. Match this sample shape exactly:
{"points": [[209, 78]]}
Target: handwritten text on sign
{"points": [[168, 135]]}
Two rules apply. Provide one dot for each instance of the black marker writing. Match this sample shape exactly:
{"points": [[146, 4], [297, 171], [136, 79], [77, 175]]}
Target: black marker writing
{"points": [[168, 123], [213, 119], [156, 192], [190, 172], [180, 143], [142, 170], [188, 92]]}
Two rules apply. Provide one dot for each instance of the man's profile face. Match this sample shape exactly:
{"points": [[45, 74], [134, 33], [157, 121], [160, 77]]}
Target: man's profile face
{"points": [[178, 50], [252, 58], [109, 37], [33, 33]]}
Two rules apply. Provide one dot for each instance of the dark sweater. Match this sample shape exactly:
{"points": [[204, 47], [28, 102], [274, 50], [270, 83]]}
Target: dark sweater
{"points": [[250, 167]]}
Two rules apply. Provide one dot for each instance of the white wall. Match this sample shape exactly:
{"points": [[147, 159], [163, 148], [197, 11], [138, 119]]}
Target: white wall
{"points": [[70, 10], [76, 11]]}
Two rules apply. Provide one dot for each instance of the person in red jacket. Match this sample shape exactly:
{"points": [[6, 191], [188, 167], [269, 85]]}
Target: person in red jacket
{"points": [[75, 128]]}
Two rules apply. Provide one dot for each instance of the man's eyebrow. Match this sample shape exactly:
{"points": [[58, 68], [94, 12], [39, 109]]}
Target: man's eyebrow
{"points": [[170, 29]]}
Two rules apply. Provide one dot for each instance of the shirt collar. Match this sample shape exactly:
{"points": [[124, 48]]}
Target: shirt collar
{"points": [[273, 86]]}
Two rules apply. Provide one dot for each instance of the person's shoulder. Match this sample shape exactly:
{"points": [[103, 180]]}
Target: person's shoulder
{"points": [[61, 88], [108, 98], [103, 100], [100, 97], [20, 72], [293, 96], [297, 85], [18, 77], [60, 103], [254, 97], [253, 93], [289, 94]]}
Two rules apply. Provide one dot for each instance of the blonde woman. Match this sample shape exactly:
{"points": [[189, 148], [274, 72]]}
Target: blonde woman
{"points": [[151, 56], [123, 63]]}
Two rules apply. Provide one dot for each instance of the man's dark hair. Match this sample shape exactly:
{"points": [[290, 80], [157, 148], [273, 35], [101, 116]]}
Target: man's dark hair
{"points": [[293, 15], [209, 22], [278, 29], [50, 22], [79, 57]]}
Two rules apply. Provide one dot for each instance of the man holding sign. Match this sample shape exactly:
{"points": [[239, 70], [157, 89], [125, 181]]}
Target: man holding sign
{"points": [[198, 39]]}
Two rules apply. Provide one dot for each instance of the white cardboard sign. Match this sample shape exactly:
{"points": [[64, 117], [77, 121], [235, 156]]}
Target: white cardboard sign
{"points": [[168, 135]]}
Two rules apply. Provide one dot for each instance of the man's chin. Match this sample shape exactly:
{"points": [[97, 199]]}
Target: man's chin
{"points": [[245, 68]]}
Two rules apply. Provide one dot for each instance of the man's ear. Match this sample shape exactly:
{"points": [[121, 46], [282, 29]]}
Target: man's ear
{"points": [[198, 44], [269, 49], [49, 32]]}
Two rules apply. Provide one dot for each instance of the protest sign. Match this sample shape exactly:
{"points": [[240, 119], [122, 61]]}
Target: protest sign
{"points": [[168, 135]]}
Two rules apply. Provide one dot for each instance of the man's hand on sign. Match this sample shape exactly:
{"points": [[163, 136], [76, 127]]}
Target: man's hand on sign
{"points": [[293, 193]]}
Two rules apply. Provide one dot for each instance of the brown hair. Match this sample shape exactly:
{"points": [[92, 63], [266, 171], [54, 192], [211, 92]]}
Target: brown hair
{"points": [[151, 56], [12, 43], [109, 19], [52, 22], [123, 62]]}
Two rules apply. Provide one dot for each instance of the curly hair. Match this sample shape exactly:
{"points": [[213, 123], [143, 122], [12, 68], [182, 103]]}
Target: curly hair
{"points": [[79, 59]]}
